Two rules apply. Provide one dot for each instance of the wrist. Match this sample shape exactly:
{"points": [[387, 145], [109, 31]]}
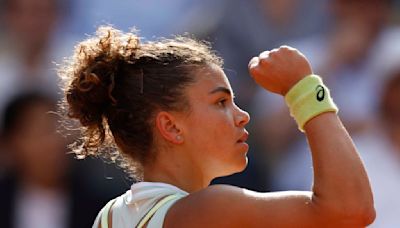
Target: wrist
{"points": [[308, 98], [294, 82]]}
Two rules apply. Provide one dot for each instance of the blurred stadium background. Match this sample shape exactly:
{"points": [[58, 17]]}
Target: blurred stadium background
{"points": [[353, 44]]}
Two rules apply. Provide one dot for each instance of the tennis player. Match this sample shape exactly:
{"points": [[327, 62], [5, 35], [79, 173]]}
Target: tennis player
{"points": [[165, 111]]}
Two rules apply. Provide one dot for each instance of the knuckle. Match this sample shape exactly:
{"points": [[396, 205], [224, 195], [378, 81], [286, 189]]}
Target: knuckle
{"points": [[274, 53], [254, 62], [285, 48], [265, 62], [264, 54], [289, 49], [254, 71]]}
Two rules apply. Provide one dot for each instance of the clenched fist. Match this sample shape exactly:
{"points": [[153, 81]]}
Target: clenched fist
{"points": [[279, 69]]}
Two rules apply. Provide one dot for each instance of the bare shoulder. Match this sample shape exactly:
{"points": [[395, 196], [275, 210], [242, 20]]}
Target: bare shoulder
{"points": [[230, 206], [205, 207]]}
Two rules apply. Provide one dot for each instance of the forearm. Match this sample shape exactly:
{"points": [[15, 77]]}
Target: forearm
{"points": [[340, 180], [341, 193]]}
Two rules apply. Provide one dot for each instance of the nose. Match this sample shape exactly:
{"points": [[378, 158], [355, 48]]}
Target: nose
{"points": [[242, 118]]}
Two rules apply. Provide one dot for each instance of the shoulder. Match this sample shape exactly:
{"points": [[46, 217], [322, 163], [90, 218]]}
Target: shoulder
{"points": [[104, 218], [230, 206], [147, 201], [220, 205]]}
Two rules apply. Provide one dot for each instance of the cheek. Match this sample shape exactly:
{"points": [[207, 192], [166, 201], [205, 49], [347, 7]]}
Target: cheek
{"points": [[214, 132]]}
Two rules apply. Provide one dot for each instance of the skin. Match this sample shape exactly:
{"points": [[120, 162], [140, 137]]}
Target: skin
{"points": [[198, 146], [214, 148]]}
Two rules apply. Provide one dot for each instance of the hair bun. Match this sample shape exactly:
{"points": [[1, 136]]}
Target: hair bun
{"points": [[91, 74], [92, 93]]}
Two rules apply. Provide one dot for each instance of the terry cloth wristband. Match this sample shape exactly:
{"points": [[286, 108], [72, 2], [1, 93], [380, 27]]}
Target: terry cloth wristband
{"points": [[308, 98]]}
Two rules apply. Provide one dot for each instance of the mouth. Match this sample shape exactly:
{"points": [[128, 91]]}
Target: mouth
{"points": [[244, 137]]}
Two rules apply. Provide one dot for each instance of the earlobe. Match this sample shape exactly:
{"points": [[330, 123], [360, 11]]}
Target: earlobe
{"points": [[167, 127], [179, 138]]}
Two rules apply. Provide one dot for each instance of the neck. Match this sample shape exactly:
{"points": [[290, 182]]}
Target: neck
{"points": [[177, 171]]}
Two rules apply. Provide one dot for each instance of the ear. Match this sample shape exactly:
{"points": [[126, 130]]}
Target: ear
{"points": [[167, 127]]}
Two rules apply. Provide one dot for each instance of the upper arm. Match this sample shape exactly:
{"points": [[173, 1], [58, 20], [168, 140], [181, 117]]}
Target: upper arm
{"points": [[228, 206]]}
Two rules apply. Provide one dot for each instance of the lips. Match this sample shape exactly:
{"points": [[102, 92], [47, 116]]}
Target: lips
{"points": [[244, 137]]}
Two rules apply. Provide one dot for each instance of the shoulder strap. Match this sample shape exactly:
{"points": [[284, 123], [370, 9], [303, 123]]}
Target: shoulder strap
{"points": [[105, 214], [158, 218], [154, 209]]}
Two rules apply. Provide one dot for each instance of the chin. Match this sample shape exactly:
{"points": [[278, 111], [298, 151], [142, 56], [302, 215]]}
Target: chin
{"points": [[236, 165], [243, 166], [239, 166]]}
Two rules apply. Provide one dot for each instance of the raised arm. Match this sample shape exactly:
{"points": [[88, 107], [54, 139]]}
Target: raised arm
{"points": [[341, 194]]}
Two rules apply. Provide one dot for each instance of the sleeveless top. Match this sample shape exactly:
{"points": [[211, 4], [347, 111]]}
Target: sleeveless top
{"points": [[145, 202]]}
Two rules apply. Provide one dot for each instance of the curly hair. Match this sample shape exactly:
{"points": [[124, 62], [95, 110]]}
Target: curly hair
{"points": [[114, 85]]}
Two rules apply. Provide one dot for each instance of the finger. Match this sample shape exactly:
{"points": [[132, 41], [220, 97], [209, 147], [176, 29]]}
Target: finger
{"points": [[273, 51], [264, 55], [254, 67], [265, 58], [286, 47], [253, 63]]}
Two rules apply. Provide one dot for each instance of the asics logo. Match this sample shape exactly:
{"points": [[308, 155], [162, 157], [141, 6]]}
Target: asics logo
{"points": [[320, 93]]}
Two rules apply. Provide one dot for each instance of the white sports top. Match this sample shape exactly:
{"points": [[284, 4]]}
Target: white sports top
{"points": [[144, 202]]}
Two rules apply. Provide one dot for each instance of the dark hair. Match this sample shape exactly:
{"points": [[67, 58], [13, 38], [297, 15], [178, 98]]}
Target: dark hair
{"points": [[115, 85], [17, 107]]}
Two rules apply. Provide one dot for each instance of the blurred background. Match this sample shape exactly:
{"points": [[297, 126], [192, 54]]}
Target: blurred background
{"points": [[353, 44]]}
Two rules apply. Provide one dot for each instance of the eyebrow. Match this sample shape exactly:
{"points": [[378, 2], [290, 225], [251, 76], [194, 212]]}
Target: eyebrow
{"points": [[223, 90]]}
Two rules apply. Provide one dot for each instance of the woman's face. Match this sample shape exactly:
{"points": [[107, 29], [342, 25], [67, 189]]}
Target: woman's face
{"points": [[214, 130]]}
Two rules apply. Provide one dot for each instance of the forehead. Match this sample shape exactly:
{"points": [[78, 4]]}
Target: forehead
{"points": [[207, 79], [212, 76]]}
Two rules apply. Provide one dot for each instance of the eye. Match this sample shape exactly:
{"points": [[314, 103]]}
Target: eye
{"points": [[222, 102]]}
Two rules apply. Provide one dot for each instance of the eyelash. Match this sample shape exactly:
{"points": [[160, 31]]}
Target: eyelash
{"points": [[222, 102]]}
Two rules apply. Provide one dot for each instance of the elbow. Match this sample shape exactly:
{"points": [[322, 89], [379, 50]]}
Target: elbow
{"points": [[350, 214], [362, 212], [361, 216], [367, 216]]}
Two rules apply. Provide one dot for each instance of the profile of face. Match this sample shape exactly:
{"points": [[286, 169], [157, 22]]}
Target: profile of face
{"points": [[214, 130]]}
